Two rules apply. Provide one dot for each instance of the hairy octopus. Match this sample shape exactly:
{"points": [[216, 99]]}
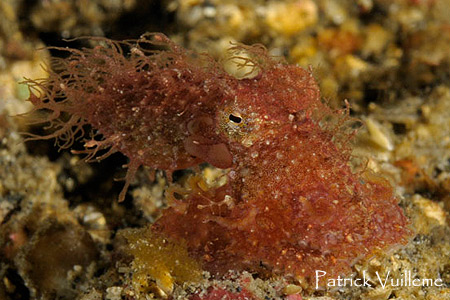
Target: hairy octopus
{"points": [[291, 204]]}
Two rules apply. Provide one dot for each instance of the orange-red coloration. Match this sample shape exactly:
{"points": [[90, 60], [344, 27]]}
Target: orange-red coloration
{"points": [[291, 203]]}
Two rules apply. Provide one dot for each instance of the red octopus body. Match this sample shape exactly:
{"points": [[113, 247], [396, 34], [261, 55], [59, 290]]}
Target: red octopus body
{"points": [[291, 203]]}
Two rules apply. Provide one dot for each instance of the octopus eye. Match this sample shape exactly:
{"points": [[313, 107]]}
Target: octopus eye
{"points": [[235, 119]]}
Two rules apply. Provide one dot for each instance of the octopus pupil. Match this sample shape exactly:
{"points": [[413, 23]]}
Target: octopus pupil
{"points": [[235, 119]]}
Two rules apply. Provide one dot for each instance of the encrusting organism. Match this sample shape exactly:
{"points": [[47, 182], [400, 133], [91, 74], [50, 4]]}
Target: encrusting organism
{"points": [[291, 203]]}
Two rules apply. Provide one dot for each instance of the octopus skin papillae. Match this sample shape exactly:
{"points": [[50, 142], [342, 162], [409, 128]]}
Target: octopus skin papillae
{"points": [[291, 204]]}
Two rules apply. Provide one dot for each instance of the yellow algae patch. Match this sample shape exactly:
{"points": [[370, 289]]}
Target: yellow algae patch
{"points": [[291, 17], [159, 260]]}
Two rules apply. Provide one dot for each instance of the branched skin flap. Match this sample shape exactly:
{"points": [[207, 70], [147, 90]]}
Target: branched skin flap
{"points": [[291, 204]]}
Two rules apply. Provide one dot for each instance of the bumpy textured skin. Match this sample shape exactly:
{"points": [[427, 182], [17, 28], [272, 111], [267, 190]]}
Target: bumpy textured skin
{"points": [[291, 204]]}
